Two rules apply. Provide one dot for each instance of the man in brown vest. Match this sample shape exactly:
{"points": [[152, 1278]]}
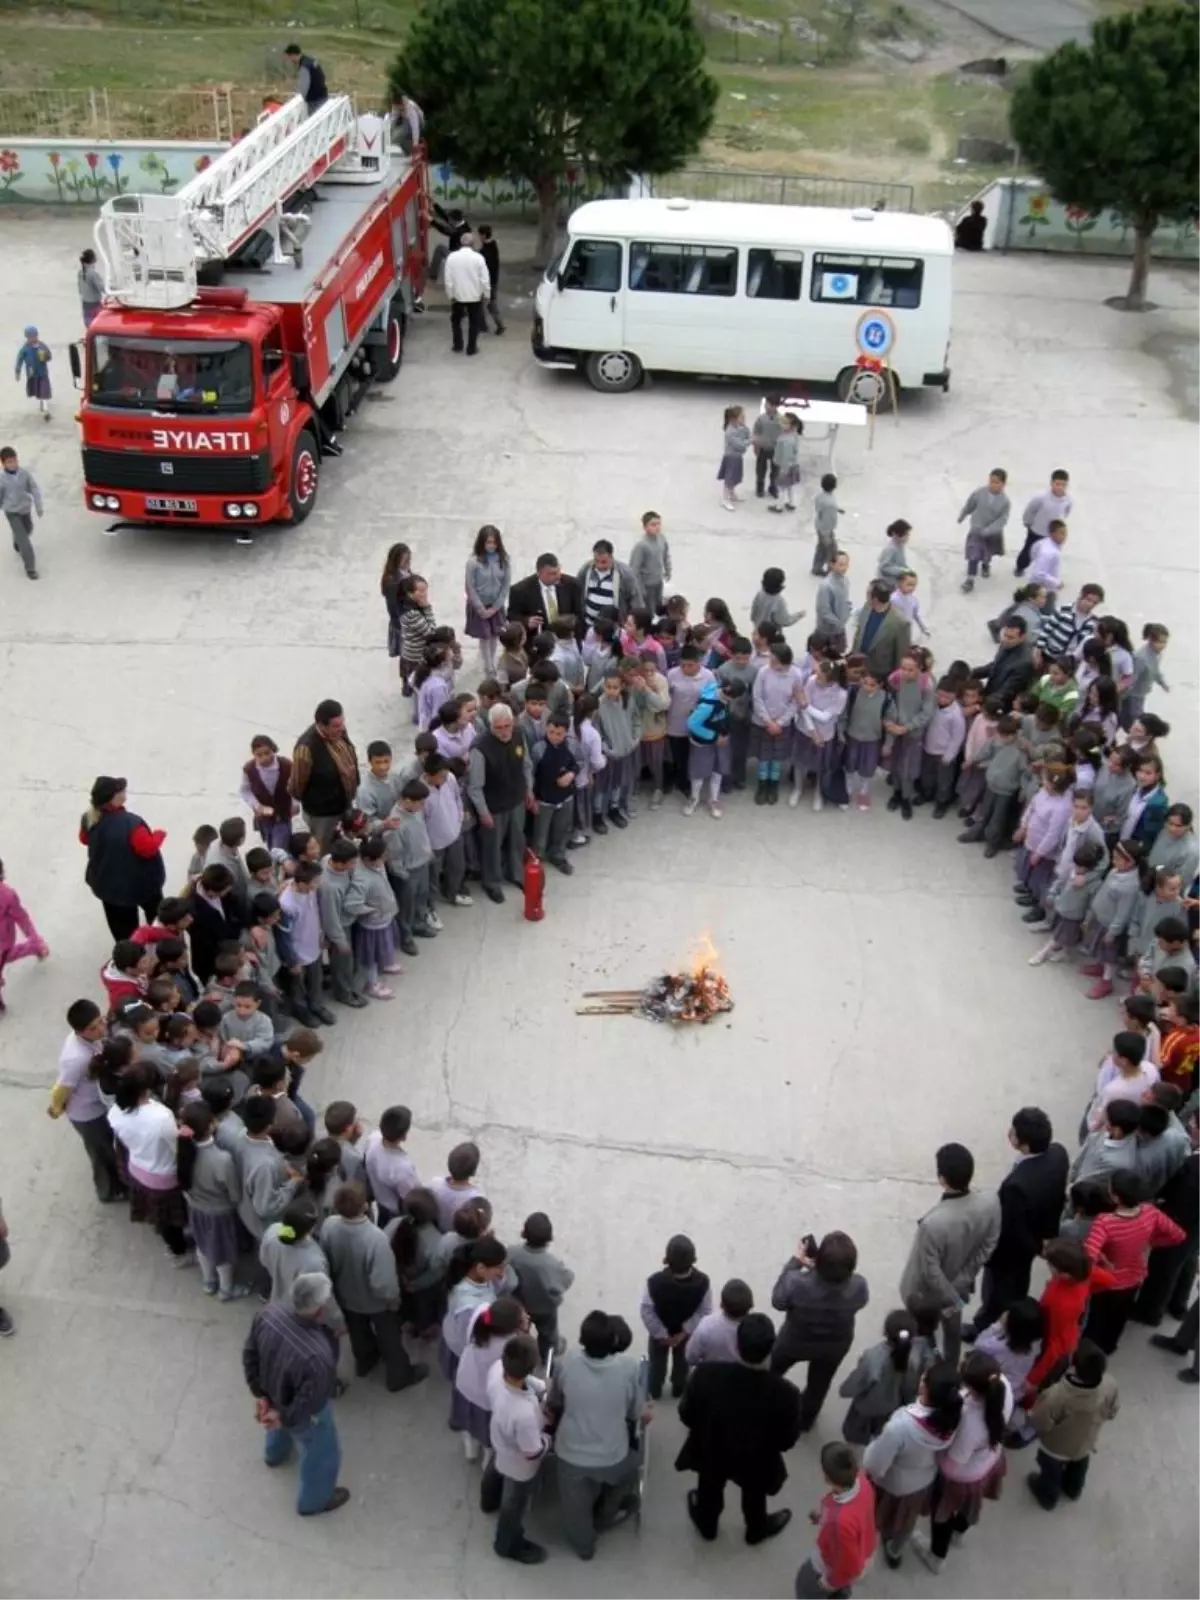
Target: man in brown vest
{"points": [[325, 771]]}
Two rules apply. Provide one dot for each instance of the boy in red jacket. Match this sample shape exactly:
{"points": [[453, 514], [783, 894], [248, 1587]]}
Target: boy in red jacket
{"points": [[845, 1523], [1073, 1280], [127, 974]]}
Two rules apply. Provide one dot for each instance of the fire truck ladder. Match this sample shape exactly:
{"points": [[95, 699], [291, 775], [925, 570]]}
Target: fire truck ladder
{"points": [[152, 246]]}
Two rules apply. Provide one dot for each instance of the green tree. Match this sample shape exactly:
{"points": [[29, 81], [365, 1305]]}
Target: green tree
{"points": [[528, 88], [1115, 123]]}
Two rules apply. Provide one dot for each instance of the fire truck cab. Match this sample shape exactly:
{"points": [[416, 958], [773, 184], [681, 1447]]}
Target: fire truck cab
{"points": [[246, 317]]}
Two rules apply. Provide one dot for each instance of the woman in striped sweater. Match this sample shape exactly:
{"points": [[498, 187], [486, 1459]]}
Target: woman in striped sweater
{"points": [[417, 623]]}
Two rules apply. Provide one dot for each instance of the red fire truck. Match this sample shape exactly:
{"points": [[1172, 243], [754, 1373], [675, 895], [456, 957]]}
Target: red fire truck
{"points": [[245, 317]]}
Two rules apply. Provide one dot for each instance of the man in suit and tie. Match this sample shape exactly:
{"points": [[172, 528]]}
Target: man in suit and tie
{"points": [[548, 594], [1031, 1202], [740, 1418]]}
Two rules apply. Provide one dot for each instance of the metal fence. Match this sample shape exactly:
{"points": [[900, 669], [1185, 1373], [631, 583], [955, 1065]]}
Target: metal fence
{"points": [[100, 114], [219, 114], [780, 188]]}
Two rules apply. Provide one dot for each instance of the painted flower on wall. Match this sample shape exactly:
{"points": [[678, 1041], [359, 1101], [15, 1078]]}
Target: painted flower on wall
{"points": [[1080, 220], [1037, 213], [154, 165], [115, 158], [55, 159], [10, 168], [202, 162]]}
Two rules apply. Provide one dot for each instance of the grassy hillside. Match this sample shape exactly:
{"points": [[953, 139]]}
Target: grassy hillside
{"points": [[852, 88]]}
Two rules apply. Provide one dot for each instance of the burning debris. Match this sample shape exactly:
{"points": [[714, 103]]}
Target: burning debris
{"points": [[700, 995]]}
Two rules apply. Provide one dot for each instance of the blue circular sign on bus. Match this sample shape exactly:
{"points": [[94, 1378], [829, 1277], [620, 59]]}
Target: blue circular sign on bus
{"points": [[875, 334]]}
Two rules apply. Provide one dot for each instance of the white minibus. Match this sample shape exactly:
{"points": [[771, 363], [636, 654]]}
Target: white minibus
{"points": [[746, 291]]}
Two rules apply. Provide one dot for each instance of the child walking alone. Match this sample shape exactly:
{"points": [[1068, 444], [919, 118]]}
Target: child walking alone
{"points": [[989, 509], [20, 497], [33, 359]]}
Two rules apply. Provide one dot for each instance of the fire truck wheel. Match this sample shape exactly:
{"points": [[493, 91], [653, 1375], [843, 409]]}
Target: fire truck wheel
{"points": [[386, 358], [306, 476]]}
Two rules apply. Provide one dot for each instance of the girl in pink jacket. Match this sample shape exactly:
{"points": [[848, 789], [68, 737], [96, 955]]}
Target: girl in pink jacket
{"points": [[14, 922]]}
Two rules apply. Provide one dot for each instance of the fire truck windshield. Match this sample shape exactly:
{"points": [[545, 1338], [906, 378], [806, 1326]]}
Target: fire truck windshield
{"points": [[184, 375]]}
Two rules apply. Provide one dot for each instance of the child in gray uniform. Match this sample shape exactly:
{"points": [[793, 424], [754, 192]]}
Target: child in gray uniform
{"points": [[619, 723], [909, 714], [787, 460], [733, 463], [542, 1280], [988, 509], [1003, 764], [825, 520], [763, 435], [375, 930], [409, 856]]}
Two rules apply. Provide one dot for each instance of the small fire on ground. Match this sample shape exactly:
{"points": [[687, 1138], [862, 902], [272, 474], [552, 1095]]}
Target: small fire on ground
{"points": [[699, 995]]}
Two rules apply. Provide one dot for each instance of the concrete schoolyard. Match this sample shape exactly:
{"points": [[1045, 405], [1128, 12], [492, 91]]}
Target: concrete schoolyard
{"points": [[884, 1003]]}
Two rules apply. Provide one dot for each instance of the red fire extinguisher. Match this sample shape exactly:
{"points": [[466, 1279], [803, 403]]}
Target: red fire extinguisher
{"points": [[535, 884]]}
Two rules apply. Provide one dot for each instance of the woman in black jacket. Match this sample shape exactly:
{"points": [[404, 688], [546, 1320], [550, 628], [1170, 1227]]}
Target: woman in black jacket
{"points": [[821, 1294], [125, 869]]}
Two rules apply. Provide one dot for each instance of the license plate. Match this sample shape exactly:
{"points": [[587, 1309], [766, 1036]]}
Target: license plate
{"points": [[154, 503]]}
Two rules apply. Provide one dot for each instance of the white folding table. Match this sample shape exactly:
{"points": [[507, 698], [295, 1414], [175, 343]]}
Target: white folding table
{"points": [[829, 414]]}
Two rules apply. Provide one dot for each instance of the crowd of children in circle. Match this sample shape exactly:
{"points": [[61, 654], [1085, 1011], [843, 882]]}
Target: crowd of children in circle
{"points": [[187, 1086]]}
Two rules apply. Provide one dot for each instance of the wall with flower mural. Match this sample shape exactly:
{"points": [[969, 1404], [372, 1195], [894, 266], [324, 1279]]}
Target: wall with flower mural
{"points": [[82, 172], [1022, 215]]}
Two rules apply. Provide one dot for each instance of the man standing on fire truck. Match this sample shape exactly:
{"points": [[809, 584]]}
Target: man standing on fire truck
{"points": [[468, 286], [310, 78]]}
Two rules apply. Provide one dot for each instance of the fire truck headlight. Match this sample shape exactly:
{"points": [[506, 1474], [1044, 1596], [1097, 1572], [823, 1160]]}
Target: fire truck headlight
{"points": [[99, 502], [112, 503], [232, 509], [249, 509]]}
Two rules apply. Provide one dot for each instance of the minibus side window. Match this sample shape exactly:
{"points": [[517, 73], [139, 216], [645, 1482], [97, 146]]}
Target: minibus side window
{"points": [[774, 274], [868, 280], [698, 269], [594, 264]]}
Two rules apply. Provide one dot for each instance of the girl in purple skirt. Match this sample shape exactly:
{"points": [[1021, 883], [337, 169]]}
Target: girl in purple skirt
{"points": [[1042, 831], [488, 1331], [487, 581], [209, 1181], [821, 702], [374, 935], [863, 736]]}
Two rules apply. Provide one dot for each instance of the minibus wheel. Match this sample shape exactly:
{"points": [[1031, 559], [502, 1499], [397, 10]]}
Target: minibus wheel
{"points": [[860, 386], [613, 371]]}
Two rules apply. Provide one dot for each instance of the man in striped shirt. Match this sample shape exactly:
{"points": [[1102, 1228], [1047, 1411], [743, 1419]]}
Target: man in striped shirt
{"points": [[1065, 632], [1122, 1241], [290, 1363], [607, 584]]}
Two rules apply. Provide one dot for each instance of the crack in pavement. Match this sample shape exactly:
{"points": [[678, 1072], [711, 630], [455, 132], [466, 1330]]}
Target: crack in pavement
{"points": [[477, 1125]]}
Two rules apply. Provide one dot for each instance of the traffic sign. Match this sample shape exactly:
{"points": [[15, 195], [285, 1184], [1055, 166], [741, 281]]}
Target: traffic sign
{"points": [[875, 334]]}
